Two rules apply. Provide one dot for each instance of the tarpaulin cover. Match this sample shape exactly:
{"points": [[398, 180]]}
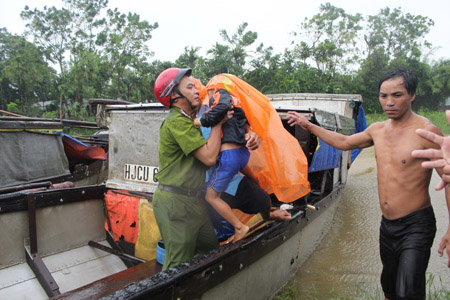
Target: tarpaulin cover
{"points": [[77, 151], [132, 219], [361, 125], [123, 216], [326, 157], [279, 164], [149, 234], [30, 156]]}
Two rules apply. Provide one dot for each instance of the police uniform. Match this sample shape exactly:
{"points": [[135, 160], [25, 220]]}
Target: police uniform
{"points": [[180, 211]]}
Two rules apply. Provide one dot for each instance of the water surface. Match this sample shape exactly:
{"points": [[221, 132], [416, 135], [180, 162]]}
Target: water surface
{"points": [[346, 263]]}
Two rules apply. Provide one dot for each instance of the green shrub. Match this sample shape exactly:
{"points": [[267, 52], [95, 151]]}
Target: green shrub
{"points": [[13, 107]]}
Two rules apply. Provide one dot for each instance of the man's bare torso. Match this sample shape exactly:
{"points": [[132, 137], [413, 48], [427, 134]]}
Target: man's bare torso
{"points": [[402, 182]]}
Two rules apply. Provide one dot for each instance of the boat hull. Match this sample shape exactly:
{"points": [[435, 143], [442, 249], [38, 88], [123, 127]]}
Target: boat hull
{"points": [[254, 268], [69, 222], [266, 276]]}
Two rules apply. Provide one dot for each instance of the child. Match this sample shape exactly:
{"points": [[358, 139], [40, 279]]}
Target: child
{"points": [[233, 156]]}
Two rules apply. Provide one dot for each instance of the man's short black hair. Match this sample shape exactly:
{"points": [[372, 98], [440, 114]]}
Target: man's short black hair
{"points": [[409, 78]]}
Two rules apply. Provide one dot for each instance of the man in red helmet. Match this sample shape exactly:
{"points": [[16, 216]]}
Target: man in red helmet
{"points": [[184, 157]]}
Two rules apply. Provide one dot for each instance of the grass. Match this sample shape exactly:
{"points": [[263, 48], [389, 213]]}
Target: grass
{"points": [[364, 291], [436, 293], [436, 117]]}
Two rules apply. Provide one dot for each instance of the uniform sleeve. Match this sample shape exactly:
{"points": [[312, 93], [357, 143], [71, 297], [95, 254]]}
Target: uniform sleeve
{"points": [[219, 108], [186, 135]]}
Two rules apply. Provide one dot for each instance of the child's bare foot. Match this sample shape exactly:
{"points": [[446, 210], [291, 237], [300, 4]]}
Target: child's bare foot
{"points": [[280, 214], [240, 233]]}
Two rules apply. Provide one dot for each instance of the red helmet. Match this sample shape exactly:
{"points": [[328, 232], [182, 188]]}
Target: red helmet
{"points": [[166, 81]]}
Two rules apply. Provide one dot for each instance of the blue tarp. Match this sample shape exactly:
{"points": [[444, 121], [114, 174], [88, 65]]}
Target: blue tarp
{"points": [[326, 157], [361, 125]]}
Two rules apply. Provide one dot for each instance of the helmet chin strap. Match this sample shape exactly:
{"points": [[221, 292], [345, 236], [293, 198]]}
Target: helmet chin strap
{"points": [[181, 96]]}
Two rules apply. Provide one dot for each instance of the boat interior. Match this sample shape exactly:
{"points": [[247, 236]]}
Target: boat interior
{"points": [[58, 242]]}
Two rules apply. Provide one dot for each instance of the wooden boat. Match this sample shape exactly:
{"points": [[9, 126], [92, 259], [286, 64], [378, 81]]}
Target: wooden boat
{"points": [[57, 244]]}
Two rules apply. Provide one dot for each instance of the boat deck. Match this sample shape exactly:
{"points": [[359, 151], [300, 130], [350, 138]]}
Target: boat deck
{"points": [[70, 269]]}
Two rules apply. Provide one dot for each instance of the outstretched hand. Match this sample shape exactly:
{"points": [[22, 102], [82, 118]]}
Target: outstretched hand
{"points": [[441, 156], [295, 118]]}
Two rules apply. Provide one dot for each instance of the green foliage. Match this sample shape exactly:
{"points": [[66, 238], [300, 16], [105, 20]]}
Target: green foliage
{"points": [[50, 115], [287, 293], [102, 53], [394, 38], [438, 83], [77, 112], [126, 50], [13, 107], [438, 118], [329, 39], [24, 72], [375, 117], [434, 292], [231, 58], [398, 34]]}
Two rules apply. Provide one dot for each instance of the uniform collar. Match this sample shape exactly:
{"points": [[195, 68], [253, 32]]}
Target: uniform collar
{"points": [[183, 112]]}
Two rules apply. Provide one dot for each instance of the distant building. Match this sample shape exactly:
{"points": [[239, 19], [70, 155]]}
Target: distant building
{"points": [[42, 105], [447, 102]]}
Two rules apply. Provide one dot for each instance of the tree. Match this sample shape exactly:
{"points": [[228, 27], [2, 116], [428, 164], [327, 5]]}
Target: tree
{"points": [[394, 39], [231, 58], [368, 76], [96, 56], [64, 32], [329, 39], [438, 84], [25, 71], [264, 67], [86, 22], [7, 91], [191, 59], [440, 78], [51, 32], [87, 76], [125, 45], [399, 35]]}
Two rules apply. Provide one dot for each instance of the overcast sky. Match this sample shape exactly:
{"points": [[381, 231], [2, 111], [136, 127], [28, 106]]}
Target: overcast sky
{"points": [[197, 23]]}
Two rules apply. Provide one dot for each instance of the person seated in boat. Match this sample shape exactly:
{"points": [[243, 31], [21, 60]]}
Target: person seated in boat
{"points": [[184, 157], [245, 194], [241, 191], [408, 224]]}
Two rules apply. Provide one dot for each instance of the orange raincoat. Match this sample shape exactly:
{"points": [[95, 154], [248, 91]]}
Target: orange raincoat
{"points": [[279, 164]]}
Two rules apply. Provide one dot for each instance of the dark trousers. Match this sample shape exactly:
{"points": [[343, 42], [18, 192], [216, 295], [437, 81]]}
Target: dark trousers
{"points": [[405, 245]]}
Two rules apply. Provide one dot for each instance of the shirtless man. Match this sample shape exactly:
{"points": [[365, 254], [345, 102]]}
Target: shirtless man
{"points": [[408, 224]]}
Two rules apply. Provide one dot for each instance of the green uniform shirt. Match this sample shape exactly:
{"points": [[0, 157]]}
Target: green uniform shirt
{"points": [[178, 138]]}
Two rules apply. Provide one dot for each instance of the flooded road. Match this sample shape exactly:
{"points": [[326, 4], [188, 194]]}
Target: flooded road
{"points": [[346, 262]]}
